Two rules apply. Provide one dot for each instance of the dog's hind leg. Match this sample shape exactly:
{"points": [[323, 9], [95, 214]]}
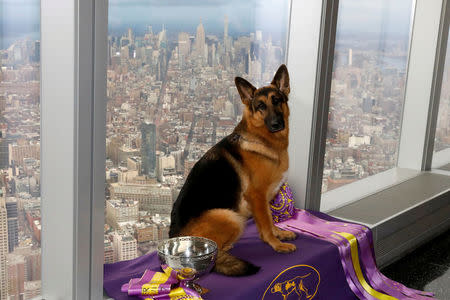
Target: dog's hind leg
{"points": [[225, 227]]}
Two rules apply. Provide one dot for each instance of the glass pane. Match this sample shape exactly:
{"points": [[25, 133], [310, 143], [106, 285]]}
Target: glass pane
{"points": [[20, 216], [442, 139], [367, 91], [171, 96]]}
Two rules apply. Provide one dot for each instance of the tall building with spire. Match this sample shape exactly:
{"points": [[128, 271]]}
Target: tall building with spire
{"points": [[226, 39], [3, 247], [350, 57], [225, 28], [162, 38], [200, 40]]}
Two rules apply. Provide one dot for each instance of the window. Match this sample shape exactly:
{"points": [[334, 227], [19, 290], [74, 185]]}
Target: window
{"points": [[171, 97], [442, 138], [367, 90], [20, 214]]}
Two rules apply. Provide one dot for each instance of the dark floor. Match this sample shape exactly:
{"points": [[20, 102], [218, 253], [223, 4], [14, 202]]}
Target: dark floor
{"points": [[427, 268]]}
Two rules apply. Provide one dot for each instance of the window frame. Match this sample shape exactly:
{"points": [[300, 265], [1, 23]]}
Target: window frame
{"points": [[309, 62], [73, 55]]}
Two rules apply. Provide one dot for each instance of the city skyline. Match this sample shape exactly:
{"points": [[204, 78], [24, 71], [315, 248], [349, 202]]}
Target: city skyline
{"points": [[21, 19]]}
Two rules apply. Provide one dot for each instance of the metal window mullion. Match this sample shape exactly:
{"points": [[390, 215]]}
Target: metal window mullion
{"points": [[84, 20], [321, 103], [99, 147], [436, 87], [57, 147], [67, 147], [311, 43]]}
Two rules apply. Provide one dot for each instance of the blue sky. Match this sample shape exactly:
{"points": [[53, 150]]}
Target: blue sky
{"points": [[19, 18]]}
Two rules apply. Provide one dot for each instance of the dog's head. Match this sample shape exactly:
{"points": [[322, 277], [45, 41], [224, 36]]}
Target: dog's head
{"points": [[266, 106], [277, 288]]}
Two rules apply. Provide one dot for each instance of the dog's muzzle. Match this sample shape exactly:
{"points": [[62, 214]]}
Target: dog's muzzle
{"points": [[276, 125]]}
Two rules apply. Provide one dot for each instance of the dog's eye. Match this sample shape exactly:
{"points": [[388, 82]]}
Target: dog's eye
{"points": [[276, 101], [261, 106]]}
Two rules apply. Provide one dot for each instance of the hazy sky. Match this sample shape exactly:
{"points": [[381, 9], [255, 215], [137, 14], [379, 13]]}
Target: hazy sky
{"points": [[372, 15], [243, 16], [19, 18]]}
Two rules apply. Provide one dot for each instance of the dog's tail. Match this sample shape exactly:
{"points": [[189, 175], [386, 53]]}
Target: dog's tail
{"points": [[230, 265]]}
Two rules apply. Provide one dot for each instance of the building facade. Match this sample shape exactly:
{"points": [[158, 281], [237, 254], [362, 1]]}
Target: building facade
{"points": [[3, 248]]}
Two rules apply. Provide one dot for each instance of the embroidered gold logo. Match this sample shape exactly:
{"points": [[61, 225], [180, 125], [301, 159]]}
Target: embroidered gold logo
{"points": [[297, 282]]}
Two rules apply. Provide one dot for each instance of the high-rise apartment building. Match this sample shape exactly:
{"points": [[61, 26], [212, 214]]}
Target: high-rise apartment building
{"points": [[125, 246], [3, 248], [108, 251], [4, 150], [13, 229], [33, 260], [23, 149], [17, 273], [148, 149]]}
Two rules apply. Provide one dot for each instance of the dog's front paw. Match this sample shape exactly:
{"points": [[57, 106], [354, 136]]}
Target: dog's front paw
{"points": [[284, 247], [285, 235]]}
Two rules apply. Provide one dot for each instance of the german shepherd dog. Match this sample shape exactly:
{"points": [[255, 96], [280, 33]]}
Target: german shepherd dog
{"points": [[238, 177]]}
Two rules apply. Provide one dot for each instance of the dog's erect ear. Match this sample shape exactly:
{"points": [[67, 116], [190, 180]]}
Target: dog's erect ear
{"points": [[246, 89], [281, 80]]}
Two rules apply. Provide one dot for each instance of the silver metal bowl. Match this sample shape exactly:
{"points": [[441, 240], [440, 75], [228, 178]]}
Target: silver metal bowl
{"points": [[189, 255]]}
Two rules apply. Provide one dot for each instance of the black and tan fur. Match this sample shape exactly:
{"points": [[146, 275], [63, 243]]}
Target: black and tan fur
{"points": [[238, 177]]}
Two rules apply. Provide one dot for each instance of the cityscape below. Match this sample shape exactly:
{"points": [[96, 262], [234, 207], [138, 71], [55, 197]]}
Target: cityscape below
{"points": [[170, 97]]}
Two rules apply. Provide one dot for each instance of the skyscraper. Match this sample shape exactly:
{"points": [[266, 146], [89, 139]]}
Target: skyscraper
{"points": [[162, 38], [4, 150], [200, 40], [17, 273], [225, 28], [350, 57], [2, 103], [148, 149], [13, 230], [130, 36], [226, 39], [3, 247], [184, 44]]}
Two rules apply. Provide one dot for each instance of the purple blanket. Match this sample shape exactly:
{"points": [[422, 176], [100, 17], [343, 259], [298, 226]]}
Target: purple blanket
{"points": [[317, 259]]}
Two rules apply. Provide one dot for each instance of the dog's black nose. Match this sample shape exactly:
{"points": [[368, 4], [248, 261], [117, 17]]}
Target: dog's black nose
{"points": [[276, 125]]}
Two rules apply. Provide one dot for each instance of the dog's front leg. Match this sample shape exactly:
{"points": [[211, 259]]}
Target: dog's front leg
{"points": [[284, 235], [263, 220]]}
